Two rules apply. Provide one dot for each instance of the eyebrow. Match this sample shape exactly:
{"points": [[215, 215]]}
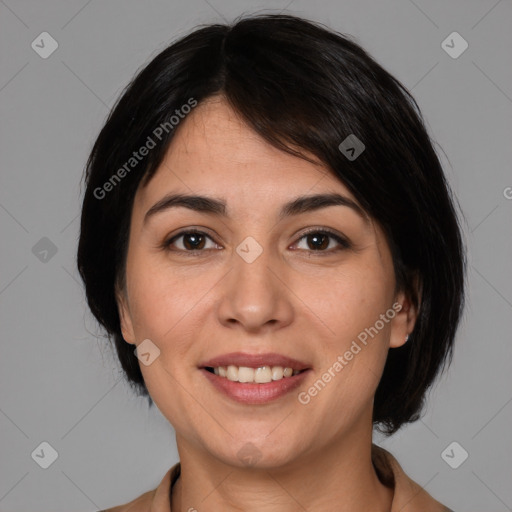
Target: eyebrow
{"points": [[213, 206]]}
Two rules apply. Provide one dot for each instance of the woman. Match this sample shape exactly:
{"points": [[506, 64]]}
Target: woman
{"points": [[268, 237]]}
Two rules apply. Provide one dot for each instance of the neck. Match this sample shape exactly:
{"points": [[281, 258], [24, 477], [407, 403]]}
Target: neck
{"points": [[340, 477]]}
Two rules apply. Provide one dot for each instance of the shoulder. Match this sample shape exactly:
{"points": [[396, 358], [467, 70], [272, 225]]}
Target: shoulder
{"points": [[408, 495], [156, 500], [140, 504]]}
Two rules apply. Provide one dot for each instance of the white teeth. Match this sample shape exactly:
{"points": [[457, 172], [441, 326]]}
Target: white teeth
{"points": [[277, 373], [261, 375], [245, 374], [287, 372], [232, 373]]}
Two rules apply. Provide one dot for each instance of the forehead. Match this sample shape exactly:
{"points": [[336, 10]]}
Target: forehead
{"points": [[214, 151]]}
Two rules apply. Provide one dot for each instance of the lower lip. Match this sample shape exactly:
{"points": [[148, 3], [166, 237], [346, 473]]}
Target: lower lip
{"points": [[252, 393]]}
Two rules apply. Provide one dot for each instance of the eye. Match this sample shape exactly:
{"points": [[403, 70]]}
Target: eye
{"points": [[319, 240], [316, 240], [191, 241]]}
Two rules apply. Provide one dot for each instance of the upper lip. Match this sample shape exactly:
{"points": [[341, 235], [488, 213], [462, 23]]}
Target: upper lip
{"points": [[254, 361]]}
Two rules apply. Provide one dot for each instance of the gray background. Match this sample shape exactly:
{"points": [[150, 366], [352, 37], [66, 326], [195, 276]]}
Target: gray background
{"points": [[60, 382]]}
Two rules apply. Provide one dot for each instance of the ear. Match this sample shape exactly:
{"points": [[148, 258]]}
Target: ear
{"points": [[125, 317], [407, 310]]}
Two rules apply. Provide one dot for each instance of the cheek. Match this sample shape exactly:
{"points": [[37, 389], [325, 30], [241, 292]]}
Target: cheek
{"points": [[163, 309], [347, 301], [159, 298], [168, 306], [355, 346]]}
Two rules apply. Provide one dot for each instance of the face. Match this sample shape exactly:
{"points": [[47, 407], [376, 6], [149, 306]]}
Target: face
{"points": [[312, 284]]}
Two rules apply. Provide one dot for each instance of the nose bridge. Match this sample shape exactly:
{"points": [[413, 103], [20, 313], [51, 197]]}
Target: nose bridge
{"points": [[254, 296], [251, 268]]}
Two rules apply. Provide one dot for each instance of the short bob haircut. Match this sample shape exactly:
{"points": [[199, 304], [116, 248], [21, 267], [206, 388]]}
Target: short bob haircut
{"points": [[300, 86]]}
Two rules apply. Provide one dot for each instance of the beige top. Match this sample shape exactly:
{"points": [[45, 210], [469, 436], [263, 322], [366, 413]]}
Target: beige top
{"points": [[408, 495]]}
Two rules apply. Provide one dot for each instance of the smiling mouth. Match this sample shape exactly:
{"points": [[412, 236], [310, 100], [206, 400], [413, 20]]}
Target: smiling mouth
{"points": [[260, 375]]}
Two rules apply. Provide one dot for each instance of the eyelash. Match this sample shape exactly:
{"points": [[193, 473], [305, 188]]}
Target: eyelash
{"points": [[197, 252]]}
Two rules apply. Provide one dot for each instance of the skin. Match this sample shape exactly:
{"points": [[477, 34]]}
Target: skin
{"points": [[294, 300]]}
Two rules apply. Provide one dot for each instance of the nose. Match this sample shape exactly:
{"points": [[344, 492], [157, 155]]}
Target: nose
{"points": [[255, 294]]}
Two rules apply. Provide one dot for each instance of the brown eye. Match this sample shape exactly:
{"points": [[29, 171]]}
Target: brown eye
{"points": [[190, 241], [320, 241], [193, 241]]}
